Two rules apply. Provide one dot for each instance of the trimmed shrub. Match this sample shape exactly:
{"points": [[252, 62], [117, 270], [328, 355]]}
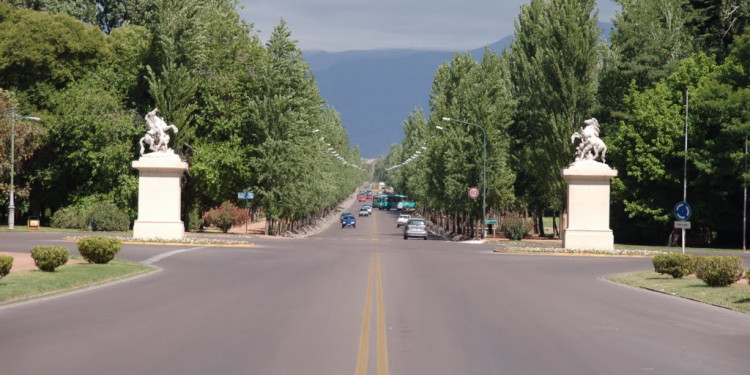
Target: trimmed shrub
{"points": [[675, 264], [99, 250], [47, 258], [102, 215], [71, 217], [718, 270], [225, 217], [515, 227], [106, 216], [6, 263]]}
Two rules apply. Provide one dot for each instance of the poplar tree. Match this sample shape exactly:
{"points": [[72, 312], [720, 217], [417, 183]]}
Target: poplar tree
{"points": [[553, 64]]}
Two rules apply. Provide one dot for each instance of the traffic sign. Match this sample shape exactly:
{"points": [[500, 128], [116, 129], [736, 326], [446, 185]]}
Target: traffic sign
{"points": [[474, 192], [682, 225], [245, 195], [682, 211]]}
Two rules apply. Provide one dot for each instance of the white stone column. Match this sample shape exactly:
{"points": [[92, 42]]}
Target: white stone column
{"points": [[588, 206], [159, 196]]}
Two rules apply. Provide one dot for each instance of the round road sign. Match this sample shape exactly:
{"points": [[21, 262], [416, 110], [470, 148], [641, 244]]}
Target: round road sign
{"points": [[682, 211], [474, 192]]}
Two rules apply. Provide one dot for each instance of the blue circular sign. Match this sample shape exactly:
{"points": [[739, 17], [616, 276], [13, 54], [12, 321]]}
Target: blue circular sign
{"points": [[682, 211]]}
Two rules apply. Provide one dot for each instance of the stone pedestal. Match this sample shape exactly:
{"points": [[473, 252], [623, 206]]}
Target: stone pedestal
{"points": [[588, 206], [159, 196]]}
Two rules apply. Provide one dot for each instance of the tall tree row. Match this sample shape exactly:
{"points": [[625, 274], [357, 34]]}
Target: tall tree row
{"points": [[558, 72], [450, 160], [249, 115]]}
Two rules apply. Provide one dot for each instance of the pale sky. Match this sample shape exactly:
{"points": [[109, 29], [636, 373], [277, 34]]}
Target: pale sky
{"points": [[344, 25]]}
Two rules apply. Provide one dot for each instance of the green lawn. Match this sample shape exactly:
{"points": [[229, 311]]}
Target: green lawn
{"points": [[736, 297], [34, 284]]}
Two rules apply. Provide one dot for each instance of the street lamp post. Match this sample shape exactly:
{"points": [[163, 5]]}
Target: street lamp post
{"points": [[484, 167], [11, 200]]}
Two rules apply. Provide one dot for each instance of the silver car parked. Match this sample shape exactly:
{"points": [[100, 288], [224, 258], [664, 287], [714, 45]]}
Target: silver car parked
{"points": [[415, 228]]}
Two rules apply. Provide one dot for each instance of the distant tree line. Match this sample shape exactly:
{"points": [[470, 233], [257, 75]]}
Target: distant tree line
{"points": [[249, 114], [559, 71]]}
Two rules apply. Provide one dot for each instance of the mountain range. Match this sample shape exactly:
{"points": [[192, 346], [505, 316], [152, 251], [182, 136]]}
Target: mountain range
{"points": [[374, 91]]}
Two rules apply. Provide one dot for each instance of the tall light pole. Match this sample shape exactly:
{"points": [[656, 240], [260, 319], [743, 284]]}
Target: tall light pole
{"points": [[484, 167], [11, 200]]}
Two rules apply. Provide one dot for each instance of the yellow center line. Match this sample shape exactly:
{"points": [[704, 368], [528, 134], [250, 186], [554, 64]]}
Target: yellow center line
{"points": [[382, 346], [364, 336], [374, 278]]}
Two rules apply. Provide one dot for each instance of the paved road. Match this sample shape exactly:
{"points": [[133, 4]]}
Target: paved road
{"points": [[364, 301]]}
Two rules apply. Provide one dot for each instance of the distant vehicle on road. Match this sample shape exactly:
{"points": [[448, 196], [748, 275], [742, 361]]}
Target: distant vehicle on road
{"points": [[364, 212], [390, 201], [362, 198], [415, 228], [402, 220], [348, 221], [368, 208]]}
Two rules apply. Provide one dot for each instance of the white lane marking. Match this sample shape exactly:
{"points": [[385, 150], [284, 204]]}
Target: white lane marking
{"points": [[159, 257]]}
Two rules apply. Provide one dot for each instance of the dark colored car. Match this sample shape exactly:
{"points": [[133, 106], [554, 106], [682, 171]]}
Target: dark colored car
{"points": [[348, 221]]}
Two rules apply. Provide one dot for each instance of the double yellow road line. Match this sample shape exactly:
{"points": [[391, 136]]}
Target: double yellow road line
{"points": [[375, 277]]}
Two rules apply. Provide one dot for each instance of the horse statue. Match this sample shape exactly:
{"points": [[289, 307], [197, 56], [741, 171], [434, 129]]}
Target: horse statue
{"points": [[156, 137], [591, 146]]}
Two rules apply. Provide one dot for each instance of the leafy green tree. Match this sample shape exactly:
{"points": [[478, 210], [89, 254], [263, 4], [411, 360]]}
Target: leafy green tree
{"points": [[41, 52], [553, 65], [89, 149], [28, 137], [715, 24]]}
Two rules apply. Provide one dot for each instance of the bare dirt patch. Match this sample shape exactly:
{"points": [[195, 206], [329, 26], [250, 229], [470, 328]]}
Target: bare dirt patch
{"points": [[24, 262]]}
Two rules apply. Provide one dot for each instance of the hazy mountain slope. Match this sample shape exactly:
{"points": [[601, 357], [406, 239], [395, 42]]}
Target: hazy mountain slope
{"points": [[374, 91]]}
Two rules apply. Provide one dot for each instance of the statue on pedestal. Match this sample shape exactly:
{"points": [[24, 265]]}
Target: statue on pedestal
{"points": [[156, 137], [591, 146]]}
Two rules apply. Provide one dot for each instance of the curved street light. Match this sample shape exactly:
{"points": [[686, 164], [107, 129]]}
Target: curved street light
{"points": [[484, 165]]}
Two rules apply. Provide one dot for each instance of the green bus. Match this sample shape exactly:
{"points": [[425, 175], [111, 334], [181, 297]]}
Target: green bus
{"points": [[391, 201]]}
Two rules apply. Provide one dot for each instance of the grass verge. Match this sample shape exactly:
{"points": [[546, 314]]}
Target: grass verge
{"points": [[28, 285], [735, 297]]}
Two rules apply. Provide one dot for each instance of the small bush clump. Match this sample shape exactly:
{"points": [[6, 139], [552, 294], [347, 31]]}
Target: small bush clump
{"points": [[106, 216], [515, 227], [718, 270], [70, 217], [6, 263], [99, 250], [101, 215], [47, 258], [225, 217], [675, 264]]}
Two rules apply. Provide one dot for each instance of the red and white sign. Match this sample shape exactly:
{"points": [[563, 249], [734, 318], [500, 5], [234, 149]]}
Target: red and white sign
{"points": [[474, 192]]}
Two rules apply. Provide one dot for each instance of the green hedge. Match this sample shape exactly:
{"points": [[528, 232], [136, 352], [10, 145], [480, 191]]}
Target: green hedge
{"points": [[675, 264], [102, 215], [719, 270], [47, 258], [99, 250], [6, 263]]}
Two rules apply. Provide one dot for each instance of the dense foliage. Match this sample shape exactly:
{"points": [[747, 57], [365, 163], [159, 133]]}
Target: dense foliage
{"points": [[99, 250], [91, 215], [718, 271], [662, 57], [225, 217], [250, 116], [47, 258], [6, 263], [674, 264]]}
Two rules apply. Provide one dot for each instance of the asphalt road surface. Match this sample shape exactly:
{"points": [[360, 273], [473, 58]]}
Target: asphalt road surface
{"points": [[365, 301]]}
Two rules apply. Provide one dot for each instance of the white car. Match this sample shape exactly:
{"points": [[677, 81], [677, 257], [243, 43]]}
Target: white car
{"points": [[402, 220], [368, 208]]}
